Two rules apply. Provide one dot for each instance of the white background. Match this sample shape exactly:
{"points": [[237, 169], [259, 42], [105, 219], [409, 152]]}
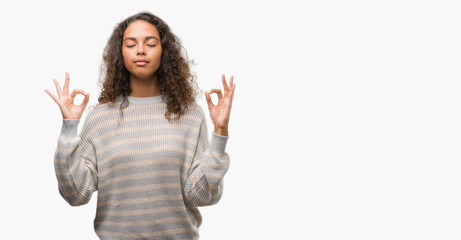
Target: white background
{"points": [[345, 123]]}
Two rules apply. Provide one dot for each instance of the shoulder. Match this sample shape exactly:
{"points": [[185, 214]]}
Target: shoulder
{"points": [[96, 113], [193, 116], [196, 110]]}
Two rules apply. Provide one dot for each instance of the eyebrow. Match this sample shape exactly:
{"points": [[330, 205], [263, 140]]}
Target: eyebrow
{"points": [[146, 38]]}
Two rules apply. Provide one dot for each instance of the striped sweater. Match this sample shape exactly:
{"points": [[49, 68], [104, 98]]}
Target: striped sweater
{"points": [[150, 174]]}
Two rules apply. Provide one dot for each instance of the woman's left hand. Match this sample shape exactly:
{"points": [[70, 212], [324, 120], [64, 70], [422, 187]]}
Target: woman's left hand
{"points": [[220, 113]]}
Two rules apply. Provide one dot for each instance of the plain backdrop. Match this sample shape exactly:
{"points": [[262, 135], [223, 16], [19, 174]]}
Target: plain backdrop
{"points": [[346, 121]]}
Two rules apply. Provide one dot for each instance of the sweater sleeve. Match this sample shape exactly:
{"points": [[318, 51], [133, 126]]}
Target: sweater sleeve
{"points": [[75, 164], [204, 185]]}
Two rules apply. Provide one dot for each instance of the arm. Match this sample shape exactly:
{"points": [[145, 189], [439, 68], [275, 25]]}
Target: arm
{"points": [[75, 156], [75, 164], [205, 181]]}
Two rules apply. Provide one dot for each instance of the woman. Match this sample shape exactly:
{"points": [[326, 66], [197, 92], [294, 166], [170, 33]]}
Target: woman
{"points": [[144, 147]]}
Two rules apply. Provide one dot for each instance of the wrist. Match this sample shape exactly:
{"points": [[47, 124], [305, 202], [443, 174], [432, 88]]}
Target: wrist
{"points": [[223, 131]]}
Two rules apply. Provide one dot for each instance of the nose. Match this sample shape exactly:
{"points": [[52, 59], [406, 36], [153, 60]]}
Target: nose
{"points": [[141, 51]]}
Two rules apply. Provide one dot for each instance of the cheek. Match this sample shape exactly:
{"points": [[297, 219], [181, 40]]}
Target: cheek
{"points": [[159, 56], [127, 60], [156, 56], [124, 55]]}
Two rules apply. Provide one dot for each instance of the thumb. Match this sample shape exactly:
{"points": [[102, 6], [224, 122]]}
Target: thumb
{"points": [[85, 100]]}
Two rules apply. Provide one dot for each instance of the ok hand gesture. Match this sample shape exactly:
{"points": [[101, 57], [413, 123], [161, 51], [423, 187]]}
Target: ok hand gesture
{"points": [[220, 113], [66, 102]]}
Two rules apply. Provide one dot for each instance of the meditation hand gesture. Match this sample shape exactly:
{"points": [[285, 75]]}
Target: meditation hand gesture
{"points": [[66, 102], [220, 113]]}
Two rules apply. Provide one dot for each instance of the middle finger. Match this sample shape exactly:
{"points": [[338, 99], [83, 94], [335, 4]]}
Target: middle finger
{"points": [[224, 83]]}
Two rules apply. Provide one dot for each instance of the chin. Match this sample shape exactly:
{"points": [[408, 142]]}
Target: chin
{"points": [[143, 75]]}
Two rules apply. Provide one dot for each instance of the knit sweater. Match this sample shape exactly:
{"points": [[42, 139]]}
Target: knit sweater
{"points": [[151, 174]]}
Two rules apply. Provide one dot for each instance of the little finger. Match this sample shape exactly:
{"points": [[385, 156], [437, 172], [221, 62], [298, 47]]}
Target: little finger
{"points": [[52, 96]]}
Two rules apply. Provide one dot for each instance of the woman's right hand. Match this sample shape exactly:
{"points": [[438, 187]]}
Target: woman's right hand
{"points": [[66, 102]]}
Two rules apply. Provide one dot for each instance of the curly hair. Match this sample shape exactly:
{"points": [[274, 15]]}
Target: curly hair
{"points": [[175, 80]]}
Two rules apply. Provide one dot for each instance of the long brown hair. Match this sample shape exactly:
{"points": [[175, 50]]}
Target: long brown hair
{"points": [[175, 80]]}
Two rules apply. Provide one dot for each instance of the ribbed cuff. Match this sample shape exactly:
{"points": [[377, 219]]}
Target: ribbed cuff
{"points": [[69, 127], [218, 143]]}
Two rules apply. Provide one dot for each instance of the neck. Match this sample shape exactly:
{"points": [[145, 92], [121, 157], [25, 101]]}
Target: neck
{"points": [[144, 87]]}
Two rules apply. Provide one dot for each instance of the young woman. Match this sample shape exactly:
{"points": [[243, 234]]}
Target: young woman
{"points": [[144, 147]]}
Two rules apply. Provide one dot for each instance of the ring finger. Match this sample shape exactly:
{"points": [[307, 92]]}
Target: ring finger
{"points": [[58, 87]]}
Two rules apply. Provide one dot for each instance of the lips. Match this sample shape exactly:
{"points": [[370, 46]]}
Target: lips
{"points": [[141, 62]]}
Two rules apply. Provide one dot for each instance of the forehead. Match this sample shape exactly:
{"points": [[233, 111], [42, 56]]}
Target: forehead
{"points": [[140, 29]]}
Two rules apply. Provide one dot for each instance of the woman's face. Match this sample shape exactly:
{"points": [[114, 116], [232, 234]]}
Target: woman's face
{"points": [[141, 49]]}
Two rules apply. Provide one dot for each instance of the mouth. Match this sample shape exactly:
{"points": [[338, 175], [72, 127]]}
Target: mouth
{"points": [[141, 62]]}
